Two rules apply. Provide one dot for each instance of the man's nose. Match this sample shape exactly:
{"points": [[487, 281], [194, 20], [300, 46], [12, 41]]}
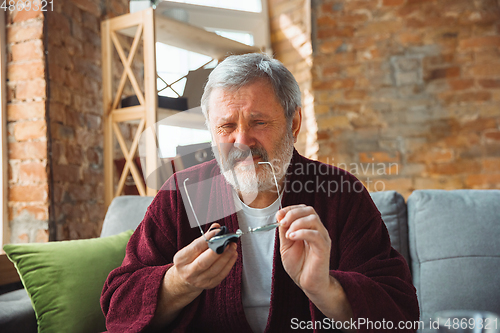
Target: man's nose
{"points": [[244, 136]]}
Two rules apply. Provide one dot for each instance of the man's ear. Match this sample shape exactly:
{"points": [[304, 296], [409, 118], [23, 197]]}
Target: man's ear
{"points": [[296, 122]]}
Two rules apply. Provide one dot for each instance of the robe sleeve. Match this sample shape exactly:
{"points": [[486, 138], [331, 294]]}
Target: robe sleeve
{"points": [[130, 294], [375, 277]]}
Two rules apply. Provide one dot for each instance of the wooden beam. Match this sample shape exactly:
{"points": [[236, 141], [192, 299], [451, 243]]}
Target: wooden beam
{"points": [[107, 117], [151, 96], [195, 39], [128, 114]]}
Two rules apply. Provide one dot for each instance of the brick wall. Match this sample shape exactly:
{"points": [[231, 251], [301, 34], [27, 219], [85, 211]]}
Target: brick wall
{"points": [[27, 129], [70, 98], [406, 92], [75, 94], [290, 23]]}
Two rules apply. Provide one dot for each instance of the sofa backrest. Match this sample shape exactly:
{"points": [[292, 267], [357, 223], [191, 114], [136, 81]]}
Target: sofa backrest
{"points": [[454, 239], [392, 206], [124, 213]]}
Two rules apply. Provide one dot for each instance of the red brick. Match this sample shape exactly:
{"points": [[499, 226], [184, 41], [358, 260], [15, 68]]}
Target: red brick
{"points": [[330, 46], [28, 193], [492, 136], [24, 111], [432, 156], [40, 212], [28, 150], [479, 124], [412, 2], [28, 50], [28, 90], [326, 22], [347, 31], [25, 15], [29, 130], [355, 94], [483, 181], [489, 70], [26, 70], [490, 83], [455, 167], [20, 33], [392, 2], [355, 5], [42, 236], [334, 84], [363, 42], [408, 38], [461, 84], [491, 164], [354, 19], [442, 73], [480, 42], [33, 172], [439, 182], [379, 157], [467, 97], [382, 27]]}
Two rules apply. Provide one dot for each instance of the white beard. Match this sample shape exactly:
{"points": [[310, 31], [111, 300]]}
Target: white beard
{"points": [[249, 179]]}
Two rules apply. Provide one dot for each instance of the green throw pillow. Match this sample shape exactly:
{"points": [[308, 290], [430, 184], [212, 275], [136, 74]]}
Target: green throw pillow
{"points": [[64, 280]]}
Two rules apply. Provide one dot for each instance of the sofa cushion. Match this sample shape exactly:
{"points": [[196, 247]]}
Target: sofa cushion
{"points": [[392, 206], [455, 249], [16, 313], [124, 213], [65, 280]]}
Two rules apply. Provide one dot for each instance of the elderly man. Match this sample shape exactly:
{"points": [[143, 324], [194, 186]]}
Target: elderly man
{"points": [[329, 264]]}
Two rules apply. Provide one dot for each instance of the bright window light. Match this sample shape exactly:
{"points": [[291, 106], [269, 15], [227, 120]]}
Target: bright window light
{"points": [[241, 37], [254, 6], [172, 63], [172, 136]]}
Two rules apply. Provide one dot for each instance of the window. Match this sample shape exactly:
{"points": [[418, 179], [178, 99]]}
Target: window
{"points": [[238, 20], [247, 5], [244, 17]]}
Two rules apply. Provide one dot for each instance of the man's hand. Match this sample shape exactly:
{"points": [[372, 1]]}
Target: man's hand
{"points": [[198, 268], [305, 247], [195, 269]]}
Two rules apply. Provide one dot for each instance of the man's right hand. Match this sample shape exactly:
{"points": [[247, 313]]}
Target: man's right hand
{"points": [[195, 269]]}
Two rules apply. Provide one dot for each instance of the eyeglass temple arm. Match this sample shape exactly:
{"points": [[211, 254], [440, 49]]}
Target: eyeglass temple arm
{"points": [[275, 181], [192, 209]]}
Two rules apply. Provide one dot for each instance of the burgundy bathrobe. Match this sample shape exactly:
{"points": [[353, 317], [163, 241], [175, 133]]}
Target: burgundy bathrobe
{"points": [[376, 278]]}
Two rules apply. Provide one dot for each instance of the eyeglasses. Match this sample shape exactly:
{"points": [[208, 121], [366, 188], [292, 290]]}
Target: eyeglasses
{"points": [[222, 239]]}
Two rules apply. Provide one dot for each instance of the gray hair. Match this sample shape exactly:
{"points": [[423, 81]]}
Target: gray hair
{"points": [[237, 71]]}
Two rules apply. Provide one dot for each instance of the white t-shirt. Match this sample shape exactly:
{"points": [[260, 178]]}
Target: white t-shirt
{"points": [[258, 251]]}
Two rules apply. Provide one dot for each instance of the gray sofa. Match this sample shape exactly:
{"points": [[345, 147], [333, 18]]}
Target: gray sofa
{"points": [[451, 240]]}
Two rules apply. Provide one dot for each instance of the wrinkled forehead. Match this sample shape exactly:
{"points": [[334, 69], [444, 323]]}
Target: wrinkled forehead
{"points": [[257, 99]]}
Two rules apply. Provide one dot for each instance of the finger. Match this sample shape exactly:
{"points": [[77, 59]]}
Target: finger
{"points": [[282, 212], [189, 253], [304, 222], [218, 271], [313, 237], [208, 258], [297, 213], [284, 241]]}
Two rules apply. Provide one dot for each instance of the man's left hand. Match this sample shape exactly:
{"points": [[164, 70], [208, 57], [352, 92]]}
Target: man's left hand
{"points": [[305, 248]]}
